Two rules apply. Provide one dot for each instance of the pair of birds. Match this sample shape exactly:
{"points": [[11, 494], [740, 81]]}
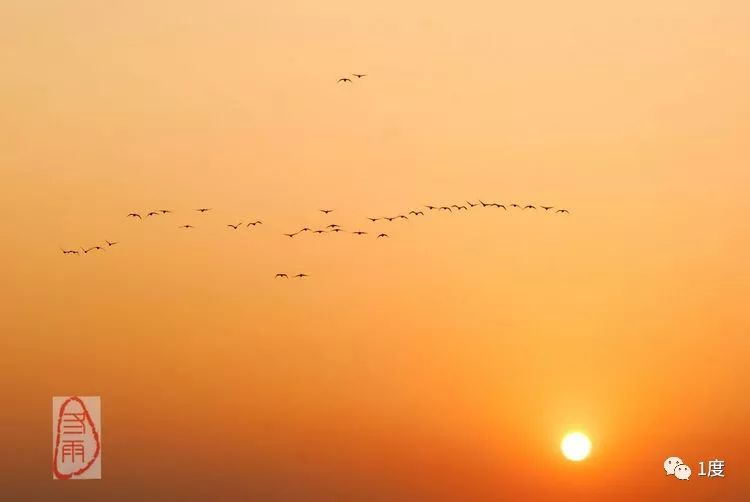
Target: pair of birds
{"points": [[346, 79], [284, 276], [151, 213], [252, 223]]}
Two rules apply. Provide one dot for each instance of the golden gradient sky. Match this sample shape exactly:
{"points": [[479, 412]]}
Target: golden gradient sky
{"points": [[443, 364]]}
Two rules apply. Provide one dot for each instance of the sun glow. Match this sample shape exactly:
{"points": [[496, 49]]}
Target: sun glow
{"points": [[575, 446]]}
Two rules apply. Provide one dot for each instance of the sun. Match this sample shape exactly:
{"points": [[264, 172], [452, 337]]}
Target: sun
{"points": [[575, 446]]}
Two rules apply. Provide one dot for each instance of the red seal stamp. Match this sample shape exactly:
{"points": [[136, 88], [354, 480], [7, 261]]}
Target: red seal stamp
{"points": [[76, 437]]}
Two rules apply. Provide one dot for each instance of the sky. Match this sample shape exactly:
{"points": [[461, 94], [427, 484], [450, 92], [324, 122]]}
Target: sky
{"points": [[444, 363]]}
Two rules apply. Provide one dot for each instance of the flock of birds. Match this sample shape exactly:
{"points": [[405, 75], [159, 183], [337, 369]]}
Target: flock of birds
{"points": [[330, 228]]}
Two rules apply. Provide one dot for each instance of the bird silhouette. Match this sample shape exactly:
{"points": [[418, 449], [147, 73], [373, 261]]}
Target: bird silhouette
{"points": [[326, 211], [471, 205], [445, 208], [284, 276], [203, 209], [547, 208], [391, 218], [153, 213], [359, 232], [186, 226], [110, 243], [530, 207], [359, 75], [498, 205], [301, 276], [253, 223], [374, 219], [319, 231], [403, 217], [344, 79], [460, 208], [98, 248], [306, 229], [165, 211], [431, 207], [235, 227], [134, 215], [514, 205], [337, 229], [291, 235], [333, 225], [562, 211], [382, 235], [417, 213], [69, 251]]}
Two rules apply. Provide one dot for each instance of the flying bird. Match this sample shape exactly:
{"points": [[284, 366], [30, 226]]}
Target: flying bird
{"points": [[165, 211], [431, 207], [326, 211], [391, 218], [98, 248], [333, 225], [152, 213], [110, 243], [69, 251], [483, 204], [203, 209], [374, 219], [134, 215], [403, 217], [186, 226], [301, 276], [562, 211], [547, 208], [253, 223], [359, 75], [530, 207], [417, 213], [445, 208], [235, 227], [306, 229], [359, 232], [471, 205], [514, 205], [319, 231], [498, 205], [337, 229], [291, 235], [344, 79], [382, 235], [284, 276]]}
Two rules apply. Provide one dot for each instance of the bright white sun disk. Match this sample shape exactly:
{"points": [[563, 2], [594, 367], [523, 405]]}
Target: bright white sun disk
{"points": [[576, 446]]}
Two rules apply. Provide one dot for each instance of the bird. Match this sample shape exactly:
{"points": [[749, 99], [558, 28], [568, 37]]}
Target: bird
{"points": [[235, 227], [530, 207], [562, 211], [359, 75], [291, 235], [152, 213], [203, 209], [445, 208], [391, 218], [471, 205], [301, 276], [134, 215], [333, 225], [417, 213], [344, 79], [484, 204], [547, 208], [319, 231], [359, 232], [186, 226], [306, 229], [165, 211], [514, 205], [374, 219], [462, 207], [498, 205], [326, 211], [431, 207], [110, 243], [403, 217], [69, 251], [253, 223], [284, 276], [382, 235], [337, 229], [98, 248]]}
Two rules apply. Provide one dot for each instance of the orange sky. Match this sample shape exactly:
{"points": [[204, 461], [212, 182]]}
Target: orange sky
{"points": [[442, 364]]}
